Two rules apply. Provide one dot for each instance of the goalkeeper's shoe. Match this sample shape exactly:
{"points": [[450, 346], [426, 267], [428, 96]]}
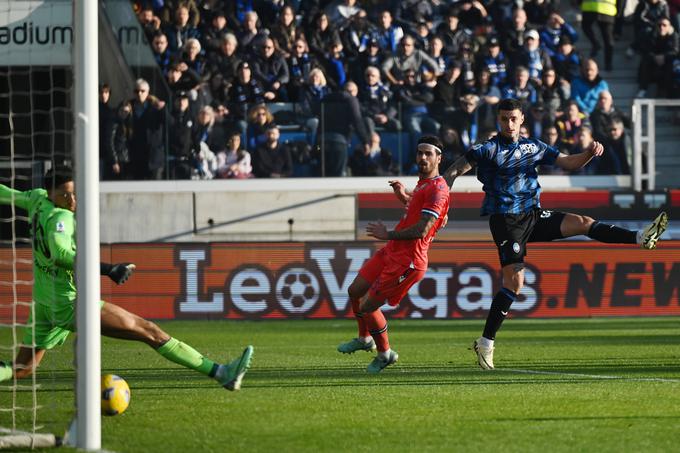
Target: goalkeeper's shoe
{"points": [[484, 355], [355, 345], [231, 375], [380, 363], [651, 234]]}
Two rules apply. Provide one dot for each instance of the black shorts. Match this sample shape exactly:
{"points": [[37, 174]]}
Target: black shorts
{"points": [[511, 232]]}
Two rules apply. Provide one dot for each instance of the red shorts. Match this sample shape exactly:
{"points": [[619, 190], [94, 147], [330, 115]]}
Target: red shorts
{"points": [[389, 280]]}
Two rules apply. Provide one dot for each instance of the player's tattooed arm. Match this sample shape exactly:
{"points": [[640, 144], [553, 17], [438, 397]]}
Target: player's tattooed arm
{"points": [[416, 231], [456, 169]]}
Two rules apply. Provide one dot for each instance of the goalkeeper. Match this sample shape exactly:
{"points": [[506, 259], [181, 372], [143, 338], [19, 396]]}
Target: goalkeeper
{"points": [[51, 213]]}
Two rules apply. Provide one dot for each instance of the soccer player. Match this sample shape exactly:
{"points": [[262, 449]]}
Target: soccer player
{"points": [[506, 165], [393, 269], [51, 213]]}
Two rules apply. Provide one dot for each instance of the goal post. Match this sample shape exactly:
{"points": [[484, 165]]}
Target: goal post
{"points": [[49, 115], [86, 156]]}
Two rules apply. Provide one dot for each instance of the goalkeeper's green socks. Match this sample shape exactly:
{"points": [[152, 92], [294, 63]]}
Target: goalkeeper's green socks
{"points": [[183, 354], [5, 371]]}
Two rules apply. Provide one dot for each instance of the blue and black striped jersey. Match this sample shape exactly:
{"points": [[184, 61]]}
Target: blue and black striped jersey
{"points": [[508, 172]]}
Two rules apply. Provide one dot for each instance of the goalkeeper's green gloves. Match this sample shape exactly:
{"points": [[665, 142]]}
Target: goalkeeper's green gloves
{"points": [[119, 273]]}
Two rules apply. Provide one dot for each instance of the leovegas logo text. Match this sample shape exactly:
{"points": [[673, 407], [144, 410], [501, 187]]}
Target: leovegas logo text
{"points": [[297, 280]]}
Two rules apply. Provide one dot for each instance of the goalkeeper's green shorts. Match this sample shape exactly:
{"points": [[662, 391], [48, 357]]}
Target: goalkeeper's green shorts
{"points": [[53, 324]]}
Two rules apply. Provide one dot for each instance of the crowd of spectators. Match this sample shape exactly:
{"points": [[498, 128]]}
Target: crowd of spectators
{"points": [[371, 67]]}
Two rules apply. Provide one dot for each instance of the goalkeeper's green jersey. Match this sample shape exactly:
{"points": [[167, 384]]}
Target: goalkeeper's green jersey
{"points": [[54, 245]]}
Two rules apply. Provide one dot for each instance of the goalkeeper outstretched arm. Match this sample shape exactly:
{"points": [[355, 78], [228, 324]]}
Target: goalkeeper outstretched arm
{"points": [[119, 273]]}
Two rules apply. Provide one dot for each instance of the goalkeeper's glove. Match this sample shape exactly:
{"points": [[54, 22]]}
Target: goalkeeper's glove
{"points": [[119, 273]]}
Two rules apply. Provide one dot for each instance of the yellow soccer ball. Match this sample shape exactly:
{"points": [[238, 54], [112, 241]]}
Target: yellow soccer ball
{"points": [[115, 395]]}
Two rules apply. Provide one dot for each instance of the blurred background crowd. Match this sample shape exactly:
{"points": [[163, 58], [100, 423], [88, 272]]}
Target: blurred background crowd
{"points": [[277, 88]]}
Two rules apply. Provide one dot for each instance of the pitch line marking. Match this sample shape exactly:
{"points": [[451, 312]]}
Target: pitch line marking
{"points": [[593, 376]]}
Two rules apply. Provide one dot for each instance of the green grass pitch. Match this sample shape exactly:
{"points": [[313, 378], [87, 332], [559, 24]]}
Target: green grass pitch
{"points": [[560, 385]]}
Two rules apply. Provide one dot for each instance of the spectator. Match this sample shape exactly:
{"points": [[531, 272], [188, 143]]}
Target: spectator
{"points": [[271, 70], [259, 120], [512, 35], [243, 94], [107, 117], [453, 34], [436, 52], [603, 13], [453, 149], [388, 35], [583, 139], [520, 88], [567, 60], [234, 162], [149, 22], [618, 151], [222, 69], [604, 114], [117, 160], [446, 93], [322, 35], [354, 35], [422, 35], [494, 60], [537, 120], [237, 10], [407, 58], [554, 31], [472, 14], [313, 92], [551, 137], [335, 66], [372, 55], [300, 64], [181, 29], [193, 56], [656, 63], [182, 78], [340, 114], [161, 53], [466, 121], [570, 123], [533, 57], [169, 10], [251, 37], [538, 11], [284, 31], [376, 104], [489, 96], [180, 140], [372, 161], [414, 97], [146, 145], [554, 93], [341, 11], [213, 34], [271, 159], [646, 17], [209, 131], [587, 87]]}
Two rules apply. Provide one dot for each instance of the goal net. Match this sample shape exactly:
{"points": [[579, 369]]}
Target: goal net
{"points": [[36, 132]]}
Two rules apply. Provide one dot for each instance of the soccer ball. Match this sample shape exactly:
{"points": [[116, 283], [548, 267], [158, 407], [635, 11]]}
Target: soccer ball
{"points": [[115, 395]]}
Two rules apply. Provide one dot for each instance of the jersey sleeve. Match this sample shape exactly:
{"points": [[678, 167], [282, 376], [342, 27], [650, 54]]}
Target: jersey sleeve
{"points": [[436, 200], [549, 154], [60, 230], [21, 199], [476, 153]]}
